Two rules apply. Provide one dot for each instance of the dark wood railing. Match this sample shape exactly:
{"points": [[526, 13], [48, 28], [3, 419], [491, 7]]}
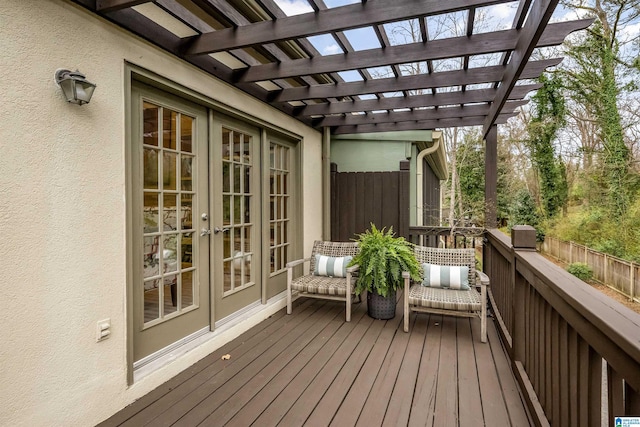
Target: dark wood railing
{"points": [[434, 236], [565, 339]]}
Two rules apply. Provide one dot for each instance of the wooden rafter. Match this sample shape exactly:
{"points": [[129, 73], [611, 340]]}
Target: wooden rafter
{"points": [[418, 125], [326, 21], [440, 79], [438, 49], [415, 101], [415, 115]]}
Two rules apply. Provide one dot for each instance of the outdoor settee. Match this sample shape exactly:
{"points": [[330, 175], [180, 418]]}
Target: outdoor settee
{"points": [[443, 290], [328, 276]]}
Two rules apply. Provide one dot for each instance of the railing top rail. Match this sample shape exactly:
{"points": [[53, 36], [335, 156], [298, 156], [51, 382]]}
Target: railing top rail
{"points": [[437, 230]]}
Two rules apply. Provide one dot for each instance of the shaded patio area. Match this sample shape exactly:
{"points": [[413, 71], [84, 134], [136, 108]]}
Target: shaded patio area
{"points": [[313, 368]]}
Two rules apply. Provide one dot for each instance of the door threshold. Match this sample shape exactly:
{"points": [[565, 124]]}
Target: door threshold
{"points": [[226, 329]]}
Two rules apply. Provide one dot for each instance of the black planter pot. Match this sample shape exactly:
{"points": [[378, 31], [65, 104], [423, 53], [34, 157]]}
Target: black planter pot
{"points": [[380, 307]]}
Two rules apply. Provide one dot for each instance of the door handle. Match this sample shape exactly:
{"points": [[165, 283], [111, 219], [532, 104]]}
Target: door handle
{"points": [[221, 230], [205, 232]]}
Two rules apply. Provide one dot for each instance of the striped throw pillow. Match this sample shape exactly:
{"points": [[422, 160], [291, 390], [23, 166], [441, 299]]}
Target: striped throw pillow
{"points": [[446, 276], [331, 266]]}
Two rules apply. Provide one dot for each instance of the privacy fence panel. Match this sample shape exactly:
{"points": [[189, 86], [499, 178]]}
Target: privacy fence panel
{"points": [[361, 198]]}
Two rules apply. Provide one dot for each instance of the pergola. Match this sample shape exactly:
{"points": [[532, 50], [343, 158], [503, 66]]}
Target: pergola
{"points": [[254, 46]]}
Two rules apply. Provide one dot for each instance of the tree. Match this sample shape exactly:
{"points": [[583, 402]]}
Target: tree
{"points": [[597, 78], [547, 119]]}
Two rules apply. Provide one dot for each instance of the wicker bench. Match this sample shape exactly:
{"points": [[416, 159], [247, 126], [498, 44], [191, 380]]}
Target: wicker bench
{"points": [[465, 303], [316, 286]]}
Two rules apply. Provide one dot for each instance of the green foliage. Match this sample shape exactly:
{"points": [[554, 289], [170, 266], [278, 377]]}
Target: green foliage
{"points": [[471, 176], [594, 227], [471, 159], [581, 270], [548, 118], [382, 259], [593, 83], [523, 212]]}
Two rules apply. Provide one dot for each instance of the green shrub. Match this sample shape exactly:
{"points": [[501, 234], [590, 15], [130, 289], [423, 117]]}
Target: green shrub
{"points": [[581, 270]]}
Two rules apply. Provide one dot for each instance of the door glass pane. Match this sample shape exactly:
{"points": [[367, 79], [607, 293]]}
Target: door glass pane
{"points": [[237, 146], [169, 128], [186, 250], [169, 254], [170, 295], [169, 270], [186, 133], [247, 239], [227, 276], [151, 257], [186, 212], [151, 300], [237, 175], [247, 270], [237, 209], [169, 170], [226, 150], [187, 289], [150, 123], [278, 212], [226, 210], [170, 212], [150, 170], [186, 173], [151, 212], [226, 177]]}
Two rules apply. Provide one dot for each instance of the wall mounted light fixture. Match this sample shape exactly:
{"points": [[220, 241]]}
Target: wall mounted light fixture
{"points": [[77, 89]]}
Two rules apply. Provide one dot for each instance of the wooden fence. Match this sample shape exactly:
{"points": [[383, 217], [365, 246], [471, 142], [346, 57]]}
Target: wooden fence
{"points": [[618, 274], [361, 198], [559, 334]]}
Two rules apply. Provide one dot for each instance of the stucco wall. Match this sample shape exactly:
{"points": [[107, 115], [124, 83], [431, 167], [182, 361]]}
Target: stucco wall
{"points": [[368, 156], [63, 212]]}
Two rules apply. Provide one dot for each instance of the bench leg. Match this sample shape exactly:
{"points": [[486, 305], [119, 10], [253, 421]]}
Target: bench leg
{"points": [[289, 279], [406, 304], [483, 314]]}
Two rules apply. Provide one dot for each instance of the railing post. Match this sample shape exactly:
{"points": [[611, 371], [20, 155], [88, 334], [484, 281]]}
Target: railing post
{"points": [[523, 238]]}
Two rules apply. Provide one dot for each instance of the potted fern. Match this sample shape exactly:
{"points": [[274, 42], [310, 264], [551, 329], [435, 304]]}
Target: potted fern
{"points": [[382, 259]]}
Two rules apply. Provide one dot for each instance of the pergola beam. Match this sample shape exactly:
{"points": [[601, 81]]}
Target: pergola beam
{"points": [[326, 21], [441, 79], [414, 101], [437, 49], [418, 125], [415, 115]]}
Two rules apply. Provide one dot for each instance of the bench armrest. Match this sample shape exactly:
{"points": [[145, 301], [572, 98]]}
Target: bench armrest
{"points": [[292, 264], [353, 268], [483, 278]]}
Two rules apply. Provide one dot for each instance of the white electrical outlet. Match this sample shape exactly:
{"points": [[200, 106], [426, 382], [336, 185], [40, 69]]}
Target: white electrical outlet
{"points": [[104, 330]]}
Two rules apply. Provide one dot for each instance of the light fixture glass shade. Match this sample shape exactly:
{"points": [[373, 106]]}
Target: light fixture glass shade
{"points": [[76, 88]]}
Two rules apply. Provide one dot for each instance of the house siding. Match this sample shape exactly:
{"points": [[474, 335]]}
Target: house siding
{"points": [[63, 211]]}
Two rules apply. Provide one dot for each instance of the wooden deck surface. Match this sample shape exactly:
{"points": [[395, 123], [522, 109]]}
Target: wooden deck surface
{"points": [[312, 368]]}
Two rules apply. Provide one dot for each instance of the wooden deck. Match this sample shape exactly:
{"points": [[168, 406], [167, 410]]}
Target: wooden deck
{"points": [[312, 368]]}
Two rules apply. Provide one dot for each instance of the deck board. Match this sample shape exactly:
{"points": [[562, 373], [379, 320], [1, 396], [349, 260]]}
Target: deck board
{"points": [[312, 368]]}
